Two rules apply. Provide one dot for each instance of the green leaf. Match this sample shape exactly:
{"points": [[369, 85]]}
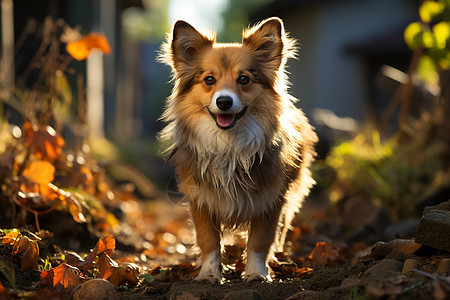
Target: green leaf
{"points": [[426, 70], [441, 33], [149, 277], [430, 9], [412, 33], [444, 62]]}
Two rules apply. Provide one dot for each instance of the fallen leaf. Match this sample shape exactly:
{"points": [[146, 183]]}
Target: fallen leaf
{"points": [[82, 48], [104, 245], [28, 251], [124, 274], [64, 274], [42, 141], [11, 237], [324, 253], [104, 264]]}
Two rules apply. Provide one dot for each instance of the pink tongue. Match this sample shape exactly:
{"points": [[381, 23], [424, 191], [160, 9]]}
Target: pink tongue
{"points": [[225, 120]]}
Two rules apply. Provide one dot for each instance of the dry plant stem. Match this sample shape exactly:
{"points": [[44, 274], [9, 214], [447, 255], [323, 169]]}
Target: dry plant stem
{"points": [[79, 134], [402, 95]]}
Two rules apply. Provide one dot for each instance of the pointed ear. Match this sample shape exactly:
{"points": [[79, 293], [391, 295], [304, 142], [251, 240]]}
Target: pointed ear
{"points": [[266, 40], [187, 43]]}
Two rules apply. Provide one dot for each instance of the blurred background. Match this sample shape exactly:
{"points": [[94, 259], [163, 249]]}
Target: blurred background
{"points": [[361, 77]]}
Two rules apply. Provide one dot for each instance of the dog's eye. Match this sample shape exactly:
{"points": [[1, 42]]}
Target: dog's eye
{"points": [[209, 80], [243, 80]]}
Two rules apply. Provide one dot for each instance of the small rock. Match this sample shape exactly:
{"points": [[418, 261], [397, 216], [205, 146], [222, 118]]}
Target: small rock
{"points": [[444, 265], [406, 246], [434, 229], [243, 294], [443, 205], [349, 281], [303, 295], [384, 266], [96, 289], [409, 265], [381, 250]]}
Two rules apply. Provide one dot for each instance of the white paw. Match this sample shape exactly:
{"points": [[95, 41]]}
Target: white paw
{"points": [[256, 268], [209, 277], [210, 270]]}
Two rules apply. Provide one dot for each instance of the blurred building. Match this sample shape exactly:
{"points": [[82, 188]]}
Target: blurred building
{"points": [[343, 45]]}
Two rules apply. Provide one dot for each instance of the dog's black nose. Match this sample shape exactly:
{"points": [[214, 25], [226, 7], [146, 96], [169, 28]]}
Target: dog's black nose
{"points": [[224, 102]]}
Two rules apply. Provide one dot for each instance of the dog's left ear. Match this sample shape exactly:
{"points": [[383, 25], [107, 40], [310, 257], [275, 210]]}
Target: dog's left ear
{"points": [[267, 40]]}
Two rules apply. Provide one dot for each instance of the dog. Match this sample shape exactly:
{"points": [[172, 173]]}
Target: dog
{"points": [[241, 149]]}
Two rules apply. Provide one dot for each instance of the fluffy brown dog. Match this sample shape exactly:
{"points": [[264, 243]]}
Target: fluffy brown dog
{"points": [[241, 148]]}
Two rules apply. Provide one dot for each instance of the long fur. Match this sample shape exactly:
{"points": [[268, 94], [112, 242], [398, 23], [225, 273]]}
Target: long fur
{"points": [[263, 162]]}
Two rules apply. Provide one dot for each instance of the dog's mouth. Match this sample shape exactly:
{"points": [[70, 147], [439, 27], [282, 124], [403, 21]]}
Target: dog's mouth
{"points": [[227, 121]]}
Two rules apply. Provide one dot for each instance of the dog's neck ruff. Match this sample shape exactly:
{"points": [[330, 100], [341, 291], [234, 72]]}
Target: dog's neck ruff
{"points": [[221, 161]]}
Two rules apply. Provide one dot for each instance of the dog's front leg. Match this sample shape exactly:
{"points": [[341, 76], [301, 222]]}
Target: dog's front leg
{"points": [[208, 239], [263, 230]]}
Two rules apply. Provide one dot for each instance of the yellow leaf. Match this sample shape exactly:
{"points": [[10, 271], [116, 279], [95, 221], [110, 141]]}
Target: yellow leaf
{"points": [[40, 172], [441, 34], [430, 9], [411, 33]]}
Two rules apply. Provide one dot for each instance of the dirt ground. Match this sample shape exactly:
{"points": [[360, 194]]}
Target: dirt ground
{"points": [[156, 236]]}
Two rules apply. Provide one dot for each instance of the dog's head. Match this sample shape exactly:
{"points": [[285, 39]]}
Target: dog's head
{"points": [[227, 82]]}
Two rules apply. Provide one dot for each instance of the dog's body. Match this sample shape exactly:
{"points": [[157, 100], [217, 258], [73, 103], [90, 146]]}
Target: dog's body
{"points": [[241, 148]]}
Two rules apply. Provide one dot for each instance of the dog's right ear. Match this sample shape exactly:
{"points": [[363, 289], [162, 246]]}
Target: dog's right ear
{"points": [[184, 45]]}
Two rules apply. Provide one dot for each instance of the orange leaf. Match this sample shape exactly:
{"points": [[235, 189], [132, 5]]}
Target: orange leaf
{"points": [[66, 275], [4, 293], [40, 172], [104, 245], [11, 237], [28, 251], [82, 48], [324, 253], [104, 264], [42, 141], [125, 274]]}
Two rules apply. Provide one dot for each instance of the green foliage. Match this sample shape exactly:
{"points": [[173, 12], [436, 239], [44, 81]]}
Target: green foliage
{"points": [[398, 173], [236, 17], [432, 32]]}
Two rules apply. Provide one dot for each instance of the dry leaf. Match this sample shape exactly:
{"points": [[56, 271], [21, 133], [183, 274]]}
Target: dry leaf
{"points": [[82, 48], [28, 251], [40, 172], [104, 265], [324, 253], [42, 141], [125, 274], [66, 275], [104, 245], [11, 237]]}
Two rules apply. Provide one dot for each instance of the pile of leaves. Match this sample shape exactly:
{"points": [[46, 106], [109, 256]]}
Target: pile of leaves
{"points": [[72, 269]]}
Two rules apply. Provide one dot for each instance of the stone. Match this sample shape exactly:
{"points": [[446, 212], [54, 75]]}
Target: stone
{"points": [[243, 294], [443, 206], [409, 265], [406, 246], [381, 250], [96, 289], [434, 229], [307, 294], [349, 281], [385, 266], [444, 265]]}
